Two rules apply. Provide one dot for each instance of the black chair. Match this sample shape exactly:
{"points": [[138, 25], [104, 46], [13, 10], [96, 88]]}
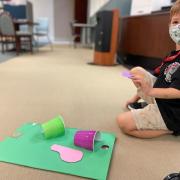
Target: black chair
{"points": [[75, 35], [10, 36]]}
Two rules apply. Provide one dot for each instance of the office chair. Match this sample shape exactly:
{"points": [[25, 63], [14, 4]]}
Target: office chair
{"points": [[75, 36], [10, 35]]}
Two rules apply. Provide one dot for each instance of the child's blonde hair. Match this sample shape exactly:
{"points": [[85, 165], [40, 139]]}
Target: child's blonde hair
{"points": [[175, 9]]}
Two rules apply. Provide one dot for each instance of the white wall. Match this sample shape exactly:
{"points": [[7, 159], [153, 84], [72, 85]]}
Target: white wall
{"points": [[44, 8], [158, 4], [147, 6], [95, 5], [60, 14], [63, 15]]}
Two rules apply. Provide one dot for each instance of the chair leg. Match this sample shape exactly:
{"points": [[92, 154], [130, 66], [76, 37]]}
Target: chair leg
{"points": [[30, 43], [37, 43], [18, 44], [6, 46], [74, 45], [50, 43], [2, 46]]}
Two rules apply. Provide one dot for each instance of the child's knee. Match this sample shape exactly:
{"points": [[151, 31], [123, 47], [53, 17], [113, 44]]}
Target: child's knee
{"points": [[126, 122], [122, 122]]}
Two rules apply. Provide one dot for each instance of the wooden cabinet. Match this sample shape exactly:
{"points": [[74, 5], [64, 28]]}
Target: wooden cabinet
{"points": [[146, 36]]}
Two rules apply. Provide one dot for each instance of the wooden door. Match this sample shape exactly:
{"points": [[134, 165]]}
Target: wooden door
{"points": [[80, 13]]}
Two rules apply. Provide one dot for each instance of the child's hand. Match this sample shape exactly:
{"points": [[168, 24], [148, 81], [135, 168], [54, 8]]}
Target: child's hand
{"points": [[132, 100], [129, 102], [137, 76], [139, 80]]}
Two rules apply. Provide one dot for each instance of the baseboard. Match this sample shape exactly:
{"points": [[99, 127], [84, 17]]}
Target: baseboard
{"points": [[59, 42]]}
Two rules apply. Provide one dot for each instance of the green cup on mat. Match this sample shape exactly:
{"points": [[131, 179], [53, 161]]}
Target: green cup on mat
{"points": [[53, 128]]}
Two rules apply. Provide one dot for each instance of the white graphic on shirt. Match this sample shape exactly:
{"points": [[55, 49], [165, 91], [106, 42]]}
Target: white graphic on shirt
{"points": [[170, 70]]}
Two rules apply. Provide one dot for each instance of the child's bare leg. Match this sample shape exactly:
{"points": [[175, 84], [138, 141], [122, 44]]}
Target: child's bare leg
{"points": [[147, 134], [128, 126]]}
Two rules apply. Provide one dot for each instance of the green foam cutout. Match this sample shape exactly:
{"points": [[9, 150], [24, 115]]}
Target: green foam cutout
{"points": [[31, 149]]}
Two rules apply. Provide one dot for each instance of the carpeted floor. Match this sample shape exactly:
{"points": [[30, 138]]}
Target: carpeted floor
{"points": [[7, 56], [36, 88]]}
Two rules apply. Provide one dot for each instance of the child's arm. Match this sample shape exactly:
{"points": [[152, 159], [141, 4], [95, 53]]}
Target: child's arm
{"points": [[134, 99], [164, 93]]}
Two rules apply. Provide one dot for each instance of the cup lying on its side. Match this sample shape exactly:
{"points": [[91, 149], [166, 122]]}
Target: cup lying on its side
{"points": [[86, 138], [53, 128]]}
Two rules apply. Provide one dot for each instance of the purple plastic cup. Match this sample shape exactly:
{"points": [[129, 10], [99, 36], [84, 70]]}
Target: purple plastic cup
{"points": [[86, 139]]}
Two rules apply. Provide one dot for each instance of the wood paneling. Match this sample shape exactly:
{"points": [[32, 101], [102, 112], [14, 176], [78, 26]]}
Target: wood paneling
{"points": [[146, 35]]}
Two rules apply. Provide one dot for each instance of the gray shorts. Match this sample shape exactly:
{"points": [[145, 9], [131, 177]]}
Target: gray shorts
{"points": [[148, 117]]}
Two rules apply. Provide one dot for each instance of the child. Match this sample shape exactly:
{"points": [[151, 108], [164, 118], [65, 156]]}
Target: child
{"points": [[162, 93]]}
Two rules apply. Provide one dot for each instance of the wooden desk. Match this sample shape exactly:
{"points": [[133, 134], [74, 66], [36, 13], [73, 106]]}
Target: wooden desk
{"points": [[22, 21], [19, 22], [146, 36]]}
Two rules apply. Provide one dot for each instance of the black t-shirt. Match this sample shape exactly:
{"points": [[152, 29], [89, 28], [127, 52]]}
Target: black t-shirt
{"points": [[169, 77]]}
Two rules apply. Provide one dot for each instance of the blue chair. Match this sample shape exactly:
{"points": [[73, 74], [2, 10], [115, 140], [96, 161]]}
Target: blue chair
{"points": [[41, 30]]}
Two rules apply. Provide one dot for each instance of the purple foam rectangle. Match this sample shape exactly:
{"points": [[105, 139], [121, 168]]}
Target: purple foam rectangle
{"points": [[126, 74]]}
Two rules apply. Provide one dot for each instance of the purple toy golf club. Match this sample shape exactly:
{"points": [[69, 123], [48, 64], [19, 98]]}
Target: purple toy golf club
{"points": [[126, 74]]}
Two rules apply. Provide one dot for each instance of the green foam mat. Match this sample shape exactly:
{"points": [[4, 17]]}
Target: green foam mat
{"points": [[31, 149]]}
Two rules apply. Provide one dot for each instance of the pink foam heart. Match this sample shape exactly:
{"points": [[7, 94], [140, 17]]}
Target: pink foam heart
{"points": [[67, 154]]}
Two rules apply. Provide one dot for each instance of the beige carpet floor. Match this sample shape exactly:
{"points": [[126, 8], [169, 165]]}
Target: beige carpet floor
{"points": [[36, 88]]}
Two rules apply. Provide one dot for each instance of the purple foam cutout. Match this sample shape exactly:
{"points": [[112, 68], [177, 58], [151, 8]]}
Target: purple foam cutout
{"points": [[85, 139], [126, 74]]}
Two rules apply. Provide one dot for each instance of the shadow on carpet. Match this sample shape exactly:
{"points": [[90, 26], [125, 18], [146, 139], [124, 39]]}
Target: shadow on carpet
{"points": [[6, 57]]}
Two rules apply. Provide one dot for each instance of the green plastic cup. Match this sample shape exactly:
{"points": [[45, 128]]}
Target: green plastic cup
{"points": [[53, 128]]}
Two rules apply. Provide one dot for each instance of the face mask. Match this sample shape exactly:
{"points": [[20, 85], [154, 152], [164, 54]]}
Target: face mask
{"points": [[174, 32]]}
